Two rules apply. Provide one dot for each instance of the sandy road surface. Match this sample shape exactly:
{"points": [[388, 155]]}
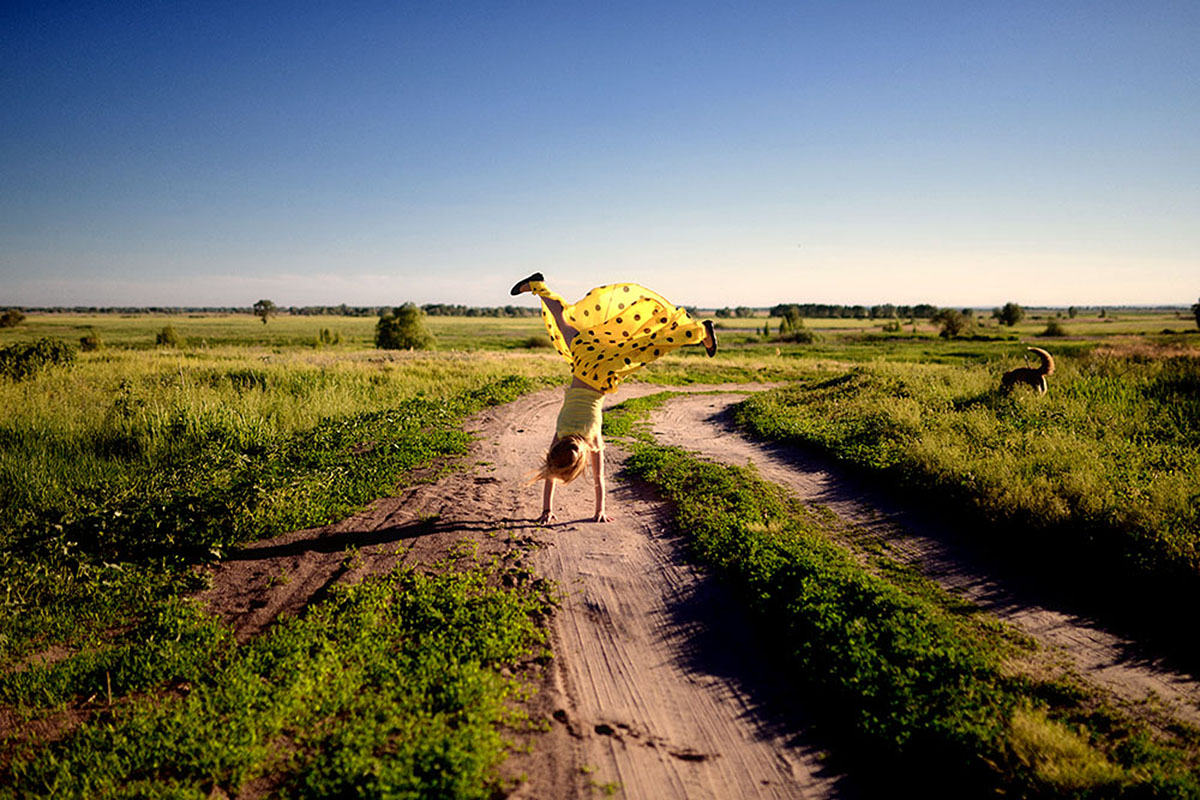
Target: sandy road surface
{"points": [[656, 691]]}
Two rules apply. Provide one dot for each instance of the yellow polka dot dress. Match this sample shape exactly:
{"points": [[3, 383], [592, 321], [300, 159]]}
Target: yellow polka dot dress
{"points": [[622, 328]]}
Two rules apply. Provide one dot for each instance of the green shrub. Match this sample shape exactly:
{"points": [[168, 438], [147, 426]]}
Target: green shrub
{"points": [[91, 341], [403, 328], [1054, 328], [328, 337], [21, 360], [167, 337], [11, 318]]}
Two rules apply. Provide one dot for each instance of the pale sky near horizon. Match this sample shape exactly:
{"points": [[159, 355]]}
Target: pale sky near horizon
{"points": [[722, 153]]}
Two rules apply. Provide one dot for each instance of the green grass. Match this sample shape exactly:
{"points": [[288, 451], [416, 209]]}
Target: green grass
{"points": [[102, 510], [1105, 466], [912, 680], [390, 688]]}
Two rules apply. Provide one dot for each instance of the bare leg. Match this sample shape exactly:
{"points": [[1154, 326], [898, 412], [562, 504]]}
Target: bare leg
{"points": [[556, 310]]}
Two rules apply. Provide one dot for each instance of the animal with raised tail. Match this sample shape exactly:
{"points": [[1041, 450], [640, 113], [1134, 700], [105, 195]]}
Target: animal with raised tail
{"points": [[1034, 377]]}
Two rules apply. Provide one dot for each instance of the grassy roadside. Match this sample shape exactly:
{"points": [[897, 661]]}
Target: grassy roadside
{"points": [[120, 473], [1104, 470], [919, 682], [391, 687], [111, 525]]}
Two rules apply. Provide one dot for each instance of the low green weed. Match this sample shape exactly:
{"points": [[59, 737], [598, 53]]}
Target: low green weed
{"points": [[390, 688]]}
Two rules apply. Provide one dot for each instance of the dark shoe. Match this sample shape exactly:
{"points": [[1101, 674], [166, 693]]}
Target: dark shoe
{"points": [[710, 349], [523, 286]]}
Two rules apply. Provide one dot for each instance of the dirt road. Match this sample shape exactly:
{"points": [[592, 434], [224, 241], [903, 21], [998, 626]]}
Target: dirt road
{"points": [[657, 690]]}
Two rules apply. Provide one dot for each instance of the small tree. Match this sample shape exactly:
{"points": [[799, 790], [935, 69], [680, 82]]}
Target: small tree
{"points": [[11, 318], [1010, 314], [791, 321], [264, 309], [1196, 313], [403, 328], [953, 322], [1072, 312]]}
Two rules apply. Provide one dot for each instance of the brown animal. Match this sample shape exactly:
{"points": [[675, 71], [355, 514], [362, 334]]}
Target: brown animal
{"points": [[1031, 376]]}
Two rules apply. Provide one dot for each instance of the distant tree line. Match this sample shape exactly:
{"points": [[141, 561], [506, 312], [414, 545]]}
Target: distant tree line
{"points": [[431, 309], [834, 311]]}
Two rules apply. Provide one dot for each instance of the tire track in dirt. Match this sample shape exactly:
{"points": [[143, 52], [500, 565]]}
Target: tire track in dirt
{"points": [[1109, 661], [656, 690]]}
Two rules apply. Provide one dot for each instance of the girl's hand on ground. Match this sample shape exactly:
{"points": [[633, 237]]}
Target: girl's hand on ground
{"points": [[601, 517], [547, 516]]}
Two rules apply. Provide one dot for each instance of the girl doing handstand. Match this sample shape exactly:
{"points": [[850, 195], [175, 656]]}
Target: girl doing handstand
{"points": [[611, 333]]}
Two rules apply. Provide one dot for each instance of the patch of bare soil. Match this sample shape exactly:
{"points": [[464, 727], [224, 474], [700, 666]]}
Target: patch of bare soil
{"points": [[656, 689], [1136, 677]]}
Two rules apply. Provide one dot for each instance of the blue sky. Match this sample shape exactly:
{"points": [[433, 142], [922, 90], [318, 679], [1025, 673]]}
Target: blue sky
{"points": [[722, 153]]}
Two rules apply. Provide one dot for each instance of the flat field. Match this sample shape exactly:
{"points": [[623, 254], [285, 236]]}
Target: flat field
{"points": [[129, 470]]}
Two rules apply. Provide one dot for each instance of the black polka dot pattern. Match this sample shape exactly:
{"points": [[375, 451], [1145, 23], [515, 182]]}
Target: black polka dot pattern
{"points": [[619, 331]]}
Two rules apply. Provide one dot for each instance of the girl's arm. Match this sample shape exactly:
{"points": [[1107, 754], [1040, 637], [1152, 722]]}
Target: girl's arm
{"points": [[598, 471], [547, 502]]}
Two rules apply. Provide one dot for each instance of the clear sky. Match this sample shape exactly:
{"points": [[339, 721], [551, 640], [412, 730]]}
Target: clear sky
{"points": [[723, 153]]}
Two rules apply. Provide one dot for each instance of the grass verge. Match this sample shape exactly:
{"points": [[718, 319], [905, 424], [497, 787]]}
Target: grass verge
{"points": [[89, 552], [1104, 471], [921, 683], [390, 688]]}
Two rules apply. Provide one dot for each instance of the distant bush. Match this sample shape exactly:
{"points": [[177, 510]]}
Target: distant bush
{"points": [[11, 318], [328, 337], [403, 329], [91, 342], [21, 360], [798, 336], [1010, 314], [536, 342], [954, 323], [1054, 328], [1196, 313], [167, 337]]}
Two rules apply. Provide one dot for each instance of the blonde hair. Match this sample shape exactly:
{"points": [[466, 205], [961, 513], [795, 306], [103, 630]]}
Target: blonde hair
{"points": [[565, 460]]}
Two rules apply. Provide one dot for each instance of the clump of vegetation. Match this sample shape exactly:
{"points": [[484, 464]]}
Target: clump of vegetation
{"points": [[167, 337], [1196, 313], [537, 342], [264, 310], [403, 328], [791, 328], [25, 359], [11, 318], [91, 341], [326, 337], [953, 323], [1010, 314], [1054, 328]]}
